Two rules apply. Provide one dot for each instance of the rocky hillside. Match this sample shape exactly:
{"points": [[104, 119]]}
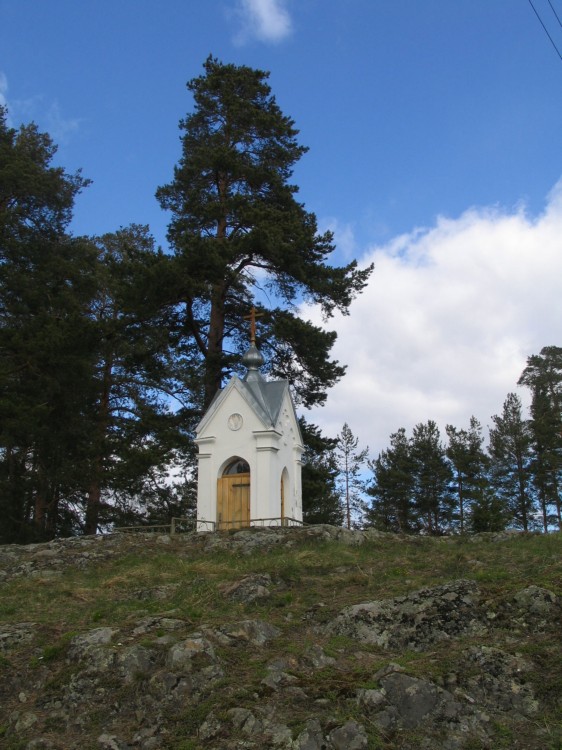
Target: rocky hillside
{"points": [[301, 639]]}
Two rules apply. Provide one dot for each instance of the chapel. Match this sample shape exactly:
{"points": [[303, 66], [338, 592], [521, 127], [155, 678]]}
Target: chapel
{"points": [[250, 449]]}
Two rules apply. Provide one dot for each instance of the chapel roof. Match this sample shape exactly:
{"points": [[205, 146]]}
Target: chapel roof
{"points": [[264, 396]]}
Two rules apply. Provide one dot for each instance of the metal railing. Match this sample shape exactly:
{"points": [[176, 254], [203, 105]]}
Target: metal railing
{"points": [[187, 525], [282, 522]]}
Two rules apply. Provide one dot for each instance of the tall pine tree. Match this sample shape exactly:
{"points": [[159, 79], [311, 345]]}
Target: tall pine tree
{"points": [[46, 287], [236, 227], [543, 376], [392, 505], [469, 464], [134, 431], [320, 498], [351, 485], [510, 452], [432, 478]]}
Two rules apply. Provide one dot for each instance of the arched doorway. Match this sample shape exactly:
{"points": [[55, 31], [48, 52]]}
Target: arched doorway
{"points": [[233, 495]]}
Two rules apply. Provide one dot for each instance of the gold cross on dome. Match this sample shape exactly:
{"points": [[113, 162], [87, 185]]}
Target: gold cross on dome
{"points": [[252, 318]]}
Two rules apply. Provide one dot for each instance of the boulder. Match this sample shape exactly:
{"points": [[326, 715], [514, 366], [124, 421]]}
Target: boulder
{"points": [[350, 736], [416, 621], [254, 632], [248, 589], [496, 680]]}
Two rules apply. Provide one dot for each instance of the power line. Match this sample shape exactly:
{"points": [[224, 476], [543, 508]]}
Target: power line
{"points": [[555, 13], [545, 29]]}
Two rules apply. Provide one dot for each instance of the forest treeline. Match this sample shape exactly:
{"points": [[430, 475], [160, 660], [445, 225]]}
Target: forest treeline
{"points": [[425, 484], [111, 348]]}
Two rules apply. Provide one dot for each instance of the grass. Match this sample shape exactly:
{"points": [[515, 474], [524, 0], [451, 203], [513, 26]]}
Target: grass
{"points": [[313, 582]]}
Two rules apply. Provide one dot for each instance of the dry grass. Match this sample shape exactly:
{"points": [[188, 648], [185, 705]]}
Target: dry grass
{"points": [[312, 582]]}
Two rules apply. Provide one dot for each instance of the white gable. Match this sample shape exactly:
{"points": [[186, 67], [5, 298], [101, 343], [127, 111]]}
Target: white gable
{"points": [[253, 420]]}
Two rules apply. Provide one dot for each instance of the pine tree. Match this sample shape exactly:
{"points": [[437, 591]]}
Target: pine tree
{"points": [[320, 498], [469, 466], [488, 513], [46, 286], [543, 376], [392, 487], [87, 369], [432, 478], [236, 227], [350, 462], [134, 432], [510, 452]]}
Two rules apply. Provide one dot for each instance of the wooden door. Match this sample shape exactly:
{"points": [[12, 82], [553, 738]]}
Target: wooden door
{"points": [[233, 502]]}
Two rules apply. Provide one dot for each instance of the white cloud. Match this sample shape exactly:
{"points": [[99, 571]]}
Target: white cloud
{"points": [[49, 118], [60, 128], [344, 237], [447, 321], [266, 20]]}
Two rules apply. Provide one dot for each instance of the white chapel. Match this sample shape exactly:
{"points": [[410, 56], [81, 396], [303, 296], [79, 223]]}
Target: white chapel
{"points": [[250, 448]]}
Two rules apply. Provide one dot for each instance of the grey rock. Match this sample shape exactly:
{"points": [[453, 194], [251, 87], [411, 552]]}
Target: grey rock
{"points": [[151, 743], [284, 664], [210, 728], [279, 734], [182, 655], [40, 743], [387, 719], [96, 637], [388, 669], [276, 680], [92, 649], [371, 700], [135, 661], [162, 683], [25, 721], [45, 554], [146, 738], [316, 657], [110, 742], [245, 721], [249, 589], [537, 601], [496, 680], [254, 632], [147, 624], [311, 738], [13, 636], [406, 702], [416, 621], [413, 699], [351, 736]]}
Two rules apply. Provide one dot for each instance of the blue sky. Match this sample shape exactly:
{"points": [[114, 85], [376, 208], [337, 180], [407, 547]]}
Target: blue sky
{"points": [[434, 133]]}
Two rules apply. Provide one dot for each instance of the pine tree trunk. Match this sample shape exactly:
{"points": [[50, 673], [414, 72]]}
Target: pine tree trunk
{"points": [[40, 499], [522, 495], [461, 502], [94, 491], [213, 363]]}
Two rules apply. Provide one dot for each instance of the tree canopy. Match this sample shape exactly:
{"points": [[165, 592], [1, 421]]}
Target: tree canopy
{"points": [[236, 228], [110, 348]]}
